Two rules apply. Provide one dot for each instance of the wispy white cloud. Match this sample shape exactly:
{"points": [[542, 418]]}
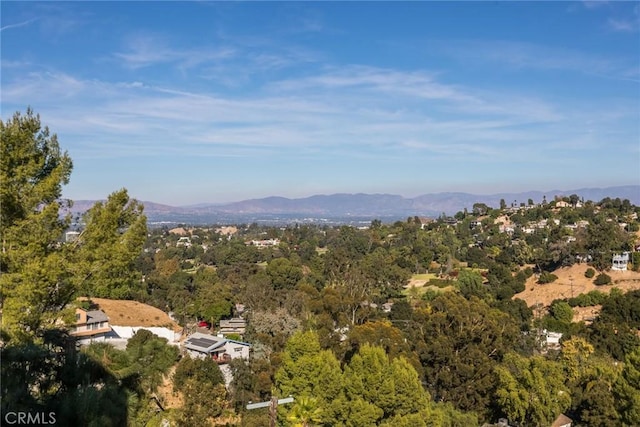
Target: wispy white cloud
{"points": [[18, 24], [135, 119], [147, 50], [523, 55], [594, 4], [624, 25]]}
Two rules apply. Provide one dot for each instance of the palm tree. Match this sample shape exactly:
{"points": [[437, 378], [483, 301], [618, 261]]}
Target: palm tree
{"points": [[305, 412]]}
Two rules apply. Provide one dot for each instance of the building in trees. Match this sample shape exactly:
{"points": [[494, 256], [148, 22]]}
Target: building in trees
{"points": [[221, 350], [620, 261], [90, 326]]}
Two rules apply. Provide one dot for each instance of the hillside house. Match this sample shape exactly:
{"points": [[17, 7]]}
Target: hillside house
{"points": [[424, 222], [236, 325], [620, 261], [263, 243], [71, 236], [184, 241], [91, 325], [125, 318], [552, 339], [220, 349]]}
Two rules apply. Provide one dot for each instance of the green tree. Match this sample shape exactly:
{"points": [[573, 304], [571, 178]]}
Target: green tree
{"points": [[470, 284], [78, 389], [561, 311], [459, 344], [202, 386], [531, 390], [383, 388], [283, 273], [152, 357], [107, 248], [382, 334], [34, 279], [307, 371], [305, 412], [627, 390]]}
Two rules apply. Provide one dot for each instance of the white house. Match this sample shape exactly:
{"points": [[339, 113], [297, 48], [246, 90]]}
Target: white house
{"points": [[184, 241], [620, 261], [552, 339], [71, 236], [220, 349]]}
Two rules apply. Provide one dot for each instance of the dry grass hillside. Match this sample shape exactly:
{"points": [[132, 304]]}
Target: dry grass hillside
{"points": [[134, 313], [572, 282]]}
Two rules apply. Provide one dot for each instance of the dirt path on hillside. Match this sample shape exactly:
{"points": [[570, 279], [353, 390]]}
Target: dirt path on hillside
{"points": [[167, 396]]}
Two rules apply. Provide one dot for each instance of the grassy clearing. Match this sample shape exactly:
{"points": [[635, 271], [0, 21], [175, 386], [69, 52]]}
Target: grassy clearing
{"points": [[418, 291], [424, 276]]}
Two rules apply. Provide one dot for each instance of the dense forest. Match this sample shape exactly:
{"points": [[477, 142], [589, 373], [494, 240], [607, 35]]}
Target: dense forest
{"points": [[329, 314]]}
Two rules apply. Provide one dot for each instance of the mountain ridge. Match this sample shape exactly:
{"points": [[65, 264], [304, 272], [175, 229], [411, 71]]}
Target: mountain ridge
{"points": [[374, 205]]}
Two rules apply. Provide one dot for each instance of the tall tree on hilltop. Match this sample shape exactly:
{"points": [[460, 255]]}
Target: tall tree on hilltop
{"points": [[106, 250], [35, 284]]}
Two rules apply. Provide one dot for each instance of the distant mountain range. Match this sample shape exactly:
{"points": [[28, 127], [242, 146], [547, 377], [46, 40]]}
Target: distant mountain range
{"points": [[352, 207]]}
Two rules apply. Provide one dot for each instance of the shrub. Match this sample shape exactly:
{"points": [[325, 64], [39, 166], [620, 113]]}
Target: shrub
{"points": [[602, 279], [589, 273], [588, 299], [547, 277], [441, 283], [635, 261]]}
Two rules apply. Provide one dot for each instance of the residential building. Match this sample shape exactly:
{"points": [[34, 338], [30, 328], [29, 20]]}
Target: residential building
{"points": [[91, 325], [71, 236], [562, 421], [620, 261], [220, 349], [236, 325]]}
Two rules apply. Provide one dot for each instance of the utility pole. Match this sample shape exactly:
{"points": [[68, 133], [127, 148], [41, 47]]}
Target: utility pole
{"points": [[571, 281], [273, 407]]}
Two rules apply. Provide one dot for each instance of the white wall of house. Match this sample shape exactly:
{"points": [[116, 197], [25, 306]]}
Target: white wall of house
{"points": [[128, 331], [236, 350], [89, 340]]}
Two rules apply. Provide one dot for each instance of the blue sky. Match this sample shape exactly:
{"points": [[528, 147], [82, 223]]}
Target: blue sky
{"points": [[184, 103]]}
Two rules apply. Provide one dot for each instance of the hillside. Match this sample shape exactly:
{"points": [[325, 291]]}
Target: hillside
{"points": [[134, 313], [567, 276]]}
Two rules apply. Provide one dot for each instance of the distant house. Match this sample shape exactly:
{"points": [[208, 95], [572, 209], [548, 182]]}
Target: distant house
{"points": [[562, 421], [237, 325], [71, 236], [552, 339], [620, 261], [424, 222], [91, 325], [184, 241], [263, 243], [220, 349]]}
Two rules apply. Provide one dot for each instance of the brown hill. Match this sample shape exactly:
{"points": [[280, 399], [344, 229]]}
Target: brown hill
{"points": [[572, 282], [134, 313]]}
